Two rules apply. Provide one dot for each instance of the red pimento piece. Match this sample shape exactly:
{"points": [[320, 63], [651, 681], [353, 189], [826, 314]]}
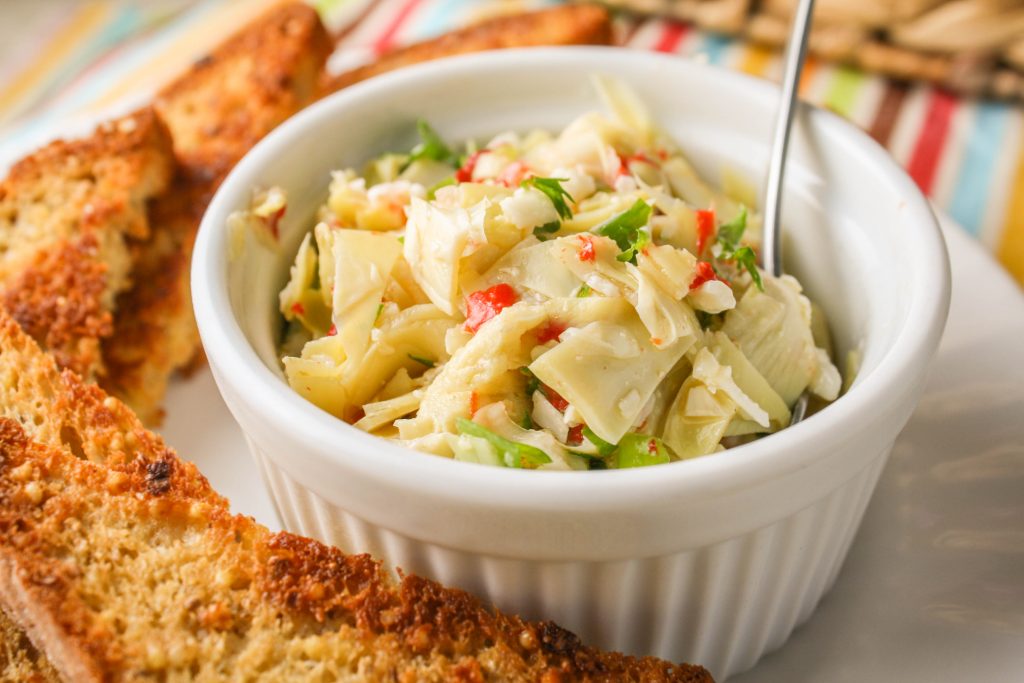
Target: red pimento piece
{"points": [[624, 162], [705, 229], [704, 274], [333, 331], [513, 174], [484, 304], [652, 447], [474, 403], [551, 331], [554, 398], [586, 251], [465, 173], [298, 308], [575, 435]]}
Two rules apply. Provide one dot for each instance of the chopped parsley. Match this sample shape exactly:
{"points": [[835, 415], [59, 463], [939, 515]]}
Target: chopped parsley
{"points": [[625, 229], [584, 291], [431, 146], [432, 192], [541, 232], [512, 454], [730, 234], [421, 360], [380, 309], [552, 188], [729, 249]]}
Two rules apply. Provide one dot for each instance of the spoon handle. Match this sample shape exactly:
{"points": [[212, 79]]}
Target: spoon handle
{"points": [[796, 50]]}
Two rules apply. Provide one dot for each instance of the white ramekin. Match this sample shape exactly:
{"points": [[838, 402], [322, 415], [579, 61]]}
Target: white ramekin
{"points": [[713, 560]]}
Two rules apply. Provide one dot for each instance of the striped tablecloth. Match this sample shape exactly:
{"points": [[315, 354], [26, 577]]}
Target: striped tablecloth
{"points": [[60, 60]]}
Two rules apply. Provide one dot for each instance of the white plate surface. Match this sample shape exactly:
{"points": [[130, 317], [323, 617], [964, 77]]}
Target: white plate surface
{"points": [[933, 589]]}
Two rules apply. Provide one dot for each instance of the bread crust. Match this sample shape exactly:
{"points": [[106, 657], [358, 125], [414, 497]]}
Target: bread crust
{"points": [[564, 25], [216, 111], [66, 214], [227, 599]]}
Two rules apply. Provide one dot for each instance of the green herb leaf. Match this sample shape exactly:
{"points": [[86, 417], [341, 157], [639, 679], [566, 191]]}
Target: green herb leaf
{"points": [[541, 232], [380, 309], [584, 291], [518, 455], [552, 188], [532, 383], [625, 229], [643, 238], [432, 192], [431, 146], [730, 234], [744, 256], [604, 449], [421, 360], [641, 450]]}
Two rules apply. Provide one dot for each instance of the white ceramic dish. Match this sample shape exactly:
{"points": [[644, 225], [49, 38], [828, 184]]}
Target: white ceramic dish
{"points": [[713, 560]]}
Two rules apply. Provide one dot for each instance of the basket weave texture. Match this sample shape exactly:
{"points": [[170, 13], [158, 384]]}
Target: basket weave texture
{"points": [[974, 47]]}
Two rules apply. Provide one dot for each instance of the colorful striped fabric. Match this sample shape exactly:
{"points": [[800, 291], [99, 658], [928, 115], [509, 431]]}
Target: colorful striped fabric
{"points": [[67, 60]]}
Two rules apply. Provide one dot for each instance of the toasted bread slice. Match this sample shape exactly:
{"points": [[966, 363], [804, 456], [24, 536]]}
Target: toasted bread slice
{"points": [[567, 25], [115, 577], [66, 212], [216, 112], [58, 409]]}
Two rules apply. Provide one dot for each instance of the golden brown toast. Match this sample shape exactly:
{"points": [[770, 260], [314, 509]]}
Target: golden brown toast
{"points": [[566, 25], [58, 409], [116, 579], [66, 213], [216, 112]]}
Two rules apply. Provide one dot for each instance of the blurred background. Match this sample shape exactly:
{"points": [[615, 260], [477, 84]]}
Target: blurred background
{"points": [[939, 83]]}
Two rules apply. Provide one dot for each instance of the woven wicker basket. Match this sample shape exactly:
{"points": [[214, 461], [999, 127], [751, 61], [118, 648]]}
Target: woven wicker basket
{"points": [[971, 46]]}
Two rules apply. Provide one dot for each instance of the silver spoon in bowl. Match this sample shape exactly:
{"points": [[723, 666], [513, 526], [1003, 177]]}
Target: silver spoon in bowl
{"points": [[771, 249]]}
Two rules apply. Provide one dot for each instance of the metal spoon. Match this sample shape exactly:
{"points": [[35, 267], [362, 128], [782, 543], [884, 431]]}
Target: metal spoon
{"points": [[796, 51]]}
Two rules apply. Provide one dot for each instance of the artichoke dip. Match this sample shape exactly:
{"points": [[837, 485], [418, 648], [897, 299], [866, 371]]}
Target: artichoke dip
{"points": [[580, 300]]}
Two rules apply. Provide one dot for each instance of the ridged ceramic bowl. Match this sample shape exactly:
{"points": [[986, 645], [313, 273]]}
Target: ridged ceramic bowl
{"points": [[713, 560]]}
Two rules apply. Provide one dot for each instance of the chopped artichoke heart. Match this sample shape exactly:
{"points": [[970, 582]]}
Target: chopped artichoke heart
{"points": [[693, 436], [381, 413], [718, 377], [604, 265], [607, 371], [362, 266], [488, 364], [435, 239], [749, 380], [536, 267], [319, 381], [419, 331], [665, 318], [672, 269], [298, 300], [771, 328], [826, 382]]}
